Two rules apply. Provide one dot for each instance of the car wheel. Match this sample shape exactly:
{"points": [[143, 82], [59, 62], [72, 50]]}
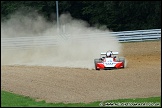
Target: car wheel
{"points": [[123, 61], [95, 62]]}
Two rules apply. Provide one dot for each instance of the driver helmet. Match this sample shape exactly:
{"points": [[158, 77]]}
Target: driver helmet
{"points": [[108, 54]]}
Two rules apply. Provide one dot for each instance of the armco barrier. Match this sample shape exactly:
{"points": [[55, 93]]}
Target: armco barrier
{"points": [[138, 35], [123, 36]]}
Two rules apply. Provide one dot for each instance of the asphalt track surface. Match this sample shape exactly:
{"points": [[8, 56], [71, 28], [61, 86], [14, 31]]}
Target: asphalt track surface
{"points": [[141, 78]]}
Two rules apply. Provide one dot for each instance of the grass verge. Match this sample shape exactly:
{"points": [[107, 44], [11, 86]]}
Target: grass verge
{"points": [[14, 100]]}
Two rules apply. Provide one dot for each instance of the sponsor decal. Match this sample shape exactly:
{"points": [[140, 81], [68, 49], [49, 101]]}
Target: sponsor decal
{"points": [[109, 63]]}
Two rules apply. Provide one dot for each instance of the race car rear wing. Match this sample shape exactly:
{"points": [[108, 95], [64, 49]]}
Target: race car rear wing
{"points": [[113, 53]]}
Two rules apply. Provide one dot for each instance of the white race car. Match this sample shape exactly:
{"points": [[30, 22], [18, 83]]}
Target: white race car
{"points": [[109, 62]]}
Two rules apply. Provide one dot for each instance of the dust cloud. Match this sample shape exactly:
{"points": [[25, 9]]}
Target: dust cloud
{"points": [[31, 40]]}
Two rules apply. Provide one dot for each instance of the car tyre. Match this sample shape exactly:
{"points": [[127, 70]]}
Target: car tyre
{"points": [[95, 62], [123, 61]]}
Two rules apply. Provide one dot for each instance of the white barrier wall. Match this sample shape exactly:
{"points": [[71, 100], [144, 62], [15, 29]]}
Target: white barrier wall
{"points": [[138, 35], [123, 36]]}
